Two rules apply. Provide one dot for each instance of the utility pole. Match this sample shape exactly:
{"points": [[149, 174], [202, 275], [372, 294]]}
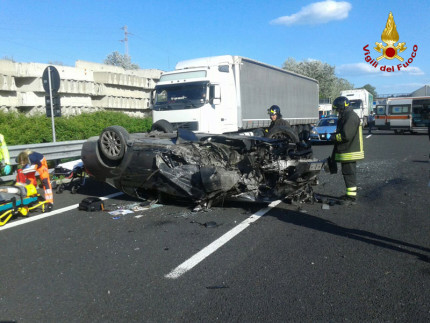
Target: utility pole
{"points": [[125, 40]]}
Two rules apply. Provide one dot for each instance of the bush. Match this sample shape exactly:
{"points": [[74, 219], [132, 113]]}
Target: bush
{"points": [[21, 130]]}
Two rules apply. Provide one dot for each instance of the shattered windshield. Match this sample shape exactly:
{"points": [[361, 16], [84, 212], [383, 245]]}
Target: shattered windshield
{"points": [[356, 104], [180, 96]]}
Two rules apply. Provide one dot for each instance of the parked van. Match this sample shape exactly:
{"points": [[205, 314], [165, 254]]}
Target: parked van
{"points": [[406, 114]]}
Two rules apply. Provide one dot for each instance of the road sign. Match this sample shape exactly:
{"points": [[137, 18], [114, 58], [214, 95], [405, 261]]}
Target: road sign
{"points": [[55, 79], [56, 105], [51, 84]]}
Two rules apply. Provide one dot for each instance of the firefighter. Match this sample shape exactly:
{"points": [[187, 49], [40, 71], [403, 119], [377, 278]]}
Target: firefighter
{"points": [[276, 119], [4, 157], [31, 161], [348, 145]]}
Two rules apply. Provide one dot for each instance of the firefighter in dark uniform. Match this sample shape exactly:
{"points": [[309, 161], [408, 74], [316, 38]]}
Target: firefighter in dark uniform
{"points": [[276, 119], [348, 145]]}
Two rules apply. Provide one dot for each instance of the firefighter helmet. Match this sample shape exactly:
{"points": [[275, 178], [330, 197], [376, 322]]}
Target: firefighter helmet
{"points": [[274, 110], [340, 103]]}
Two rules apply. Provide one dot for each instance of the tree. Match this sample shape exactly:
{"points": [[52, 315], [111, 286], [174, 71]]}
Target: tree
{"points": [[339, 85], [371, 89], [123, 61], [330, 85]]}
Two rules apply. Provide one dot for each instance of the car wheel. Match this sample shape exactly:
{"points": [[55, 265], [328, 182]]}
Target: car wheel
{"points": [[74, 189], [60, 189], [283, 132], [113, 142], [163, 126]]}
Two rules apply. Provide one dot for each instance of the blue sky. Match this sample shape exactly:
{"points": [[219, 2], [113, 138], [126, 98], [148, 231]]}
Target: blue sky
{"points": [[164, 32]]}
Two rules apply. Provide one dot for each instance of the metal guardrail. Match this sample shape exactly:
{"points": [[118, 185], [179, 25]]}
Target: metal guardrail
{"points": [[53, 151]]}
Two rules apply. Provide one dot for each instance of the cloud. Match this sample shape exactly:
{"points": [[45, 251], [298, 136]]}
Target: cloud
{"points": [[316, 13], [412, 70], [358, 69]]}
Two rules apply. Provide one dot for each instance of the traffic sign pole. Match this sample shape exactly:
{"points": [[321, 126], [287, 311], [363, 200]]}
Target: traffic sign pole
{"points": [[52, 105]]}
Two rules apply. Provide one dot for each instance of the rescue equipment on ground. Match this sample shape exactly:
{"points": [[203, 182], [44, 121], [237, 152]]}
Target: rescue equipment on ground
{"points": [[70, 175], [20, 200]]}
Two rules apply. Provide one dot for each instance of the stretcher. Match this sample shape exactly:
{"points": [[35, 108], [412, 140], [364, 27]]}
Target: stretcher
{"points": [[20, 200], [69, 175]]}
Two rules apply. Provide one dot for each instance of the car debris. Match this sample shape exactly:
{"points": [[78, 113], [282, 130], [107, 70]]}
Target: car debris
{"points": [[203, 169], [91, 204]]}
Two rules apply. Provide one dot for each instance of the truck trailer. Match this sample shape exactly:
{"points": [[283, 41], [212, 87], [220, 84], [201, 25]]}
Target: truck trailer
{"points": [[361, 101], [227, 94]]}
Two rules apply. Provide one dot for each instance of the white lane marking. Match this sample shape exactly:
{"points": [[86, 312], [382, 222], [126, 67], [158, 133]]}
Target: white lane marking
{"points": [[368, 136], [48, 214], [202, 254]]}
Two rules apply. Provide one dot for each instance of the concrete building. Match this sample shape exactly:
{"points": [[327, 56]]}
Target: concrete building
{"points": [[87, 87]]}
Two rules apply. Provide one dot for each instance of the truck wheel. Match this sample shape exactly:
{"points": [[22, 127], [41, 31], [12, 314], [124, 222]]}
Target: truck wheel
{"points": [[283, 132], [113, 142], [163, 126]]}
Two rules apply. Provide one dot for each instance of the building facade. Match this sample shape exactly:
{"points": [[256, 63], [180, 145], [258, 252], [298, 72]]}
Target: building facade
{"points": [[87, 87]]}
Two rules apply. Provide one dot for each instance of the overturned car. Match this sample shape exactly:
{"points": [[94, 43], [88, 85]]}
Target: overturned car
{"points": [[203, 168]]}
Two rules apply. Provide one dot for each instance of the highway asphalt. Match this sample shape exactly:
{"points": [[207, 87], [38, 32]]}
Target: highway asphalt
{"points": [[237, 262]]}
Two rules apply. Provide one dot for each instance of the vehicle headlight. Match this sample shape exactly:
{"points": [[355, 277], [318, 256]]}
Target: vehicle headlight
{"points": [[314, 132]]}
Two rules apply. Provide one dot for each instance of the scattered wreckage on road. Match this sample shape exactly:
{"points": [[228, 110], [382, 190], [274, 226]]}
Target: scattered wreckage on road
{"points": [[203, 168]]}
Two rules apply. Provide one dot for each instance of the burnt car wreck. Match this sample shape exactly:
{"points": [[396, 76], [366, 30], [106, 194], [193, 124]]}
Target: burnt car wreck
{"points": [[203, 168]]}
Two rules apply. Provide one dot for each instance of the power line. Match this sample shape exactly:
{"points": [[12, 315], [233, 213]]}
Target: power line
{"points": [[125, 40]]}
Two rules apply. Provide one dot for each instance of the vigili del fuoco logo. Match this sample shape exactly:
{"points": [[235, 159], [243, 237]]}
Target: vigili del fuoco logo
{"points": [[389, 50]]}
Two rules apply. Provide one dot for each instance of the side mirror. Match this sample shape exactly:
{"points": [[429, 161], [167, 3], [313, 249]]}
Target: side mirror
{"points": [[215, 94], [152, 98]]}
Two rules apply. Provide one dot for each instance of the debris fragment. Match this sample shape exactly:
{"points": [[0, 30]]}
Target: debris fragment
{"points": [[120, 212], [210, 224], [217, 287]]}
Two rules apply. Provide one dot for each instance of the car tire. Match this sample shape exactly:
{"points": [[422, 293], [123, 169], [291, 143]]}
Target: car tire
{"points": [[283, 132], [163, 126], [113, 142]]}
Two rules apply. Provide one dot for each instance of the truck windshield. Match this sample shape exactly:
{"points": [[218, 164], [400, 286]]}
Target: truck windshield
{"points": [[180, 96], [356, 104]]}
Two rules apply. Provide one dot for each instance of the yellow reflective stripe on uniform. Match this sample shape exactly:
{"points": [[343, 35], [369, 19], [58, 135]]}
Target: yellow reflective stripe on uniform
{"points": [[351, 191], [350, 156], [4, 152]]}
